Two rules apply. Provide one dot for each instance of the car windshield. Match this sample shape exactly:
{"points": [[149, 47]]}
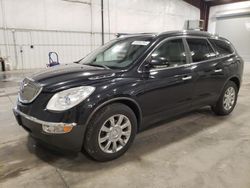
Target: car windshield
{"points": [[118, 53]]}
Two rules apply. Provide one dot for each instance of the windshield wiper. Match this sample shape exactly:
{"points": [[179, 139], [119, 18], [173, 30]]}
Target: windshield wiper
{"points": [[78, 61]]}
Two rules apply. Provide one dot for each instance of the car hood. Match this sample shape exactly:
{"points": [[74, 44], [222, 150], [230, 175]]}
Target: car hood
{"points": [[65, 76]]}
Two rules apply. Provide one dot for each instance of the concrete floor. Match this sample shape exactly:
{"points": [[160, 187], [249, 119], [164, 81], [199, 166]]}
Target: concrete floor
{"points": [[198, 149]]}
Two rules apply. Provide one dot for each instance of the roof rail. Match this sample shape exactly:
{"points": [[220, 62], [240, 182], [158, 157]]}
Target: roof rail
{"points": [[187, 32], [132, 34], [169, 33]]}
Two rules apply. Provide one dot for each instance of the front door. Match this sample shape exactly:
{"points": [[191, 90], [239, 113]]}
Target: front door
{"points": [[168, 87]]}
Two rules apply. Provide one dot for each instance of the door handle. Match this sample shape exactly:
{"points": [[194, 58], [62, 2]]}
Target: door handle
{"points": [[218, 70], [187, 78]]}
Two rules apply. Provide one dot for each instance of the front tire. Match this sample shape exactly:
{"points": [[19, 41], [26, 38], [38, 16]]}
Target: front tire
{"points": [[227, 100], [110, 132]]}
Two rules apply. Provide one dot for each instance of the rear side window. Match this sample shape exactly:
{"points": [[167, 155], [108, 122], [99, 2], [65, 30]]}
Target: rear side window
{"points": [[221, 47], [200, 49]]}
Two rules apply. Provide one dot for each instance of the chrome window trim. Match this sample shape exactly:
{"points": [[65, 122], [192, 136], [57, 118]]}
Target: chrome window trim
{"points": [[210, 44], [159, 69], [41, 122], [187, 64], [38, 93], [205, 61]]}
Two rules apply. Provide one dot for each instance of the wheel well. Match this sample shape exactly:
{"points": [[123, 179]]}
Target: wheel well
{"points": [[126, 101], [236, 81], [134, 107]]}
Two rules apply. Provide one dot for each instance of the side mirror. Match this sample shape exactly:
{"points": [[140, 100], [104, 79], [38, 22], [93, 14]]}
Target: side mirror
{"points": [[158, 62]]}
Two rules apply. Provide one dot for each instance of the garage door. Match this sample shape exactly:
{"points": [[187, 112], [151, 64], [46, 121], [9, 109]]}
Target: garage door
{"points": [[237, 30]]}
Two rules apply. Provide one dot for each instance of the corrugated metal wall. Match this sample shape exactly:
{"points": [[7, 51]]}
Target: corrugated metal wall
{"points": [[72, 27], [29, 49]]}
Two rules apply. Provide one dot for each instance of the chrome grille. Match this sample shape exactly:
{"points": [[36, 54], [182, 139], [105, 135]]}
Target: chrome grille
{"points": [[29, 90]]}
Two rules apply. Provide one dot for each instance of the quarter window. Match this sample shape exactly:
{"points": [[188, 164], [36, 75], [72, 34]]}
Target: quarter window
{"points": [[171, 53], [200, 49], [221, 47]]}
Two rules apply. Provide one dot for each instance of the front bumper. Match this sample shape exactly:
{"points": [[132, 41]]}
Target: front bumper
{"points": [[69, 141], [16, 111]]}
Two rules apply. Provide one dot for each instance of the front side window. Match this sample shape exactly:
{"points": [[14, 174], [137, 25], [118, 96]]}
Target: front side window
{"points": [[221, 47], [118, 53], [200, 49], [171, 53]]}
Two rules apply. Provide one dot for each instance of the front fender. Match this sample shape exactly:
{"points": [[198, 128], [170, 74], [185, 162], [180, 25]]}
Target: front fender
{"points": [[124, 90], [107, 101]]}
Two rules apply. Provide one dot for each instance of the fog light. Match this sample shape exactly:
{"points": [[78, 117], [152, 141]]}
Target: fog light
{"points": [[58, 129]]}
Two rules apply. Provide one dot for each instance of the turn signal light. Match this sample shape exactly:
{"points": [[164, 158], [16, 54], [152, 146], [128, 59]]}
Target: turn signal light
{"points": [[67, 128], [59, 128]]}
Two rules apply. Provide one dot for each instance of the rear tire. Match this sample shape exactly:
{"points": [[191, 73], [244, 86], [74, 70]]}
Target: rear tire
{"points": [[110, 132], [227, 100]]}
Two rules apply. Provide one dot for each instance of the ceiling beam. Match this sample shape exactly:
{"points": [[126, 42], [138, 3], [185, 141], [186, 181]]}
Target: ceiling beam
{"points": [[204, 14], [204, 10], [196, 3], [222, 2]]}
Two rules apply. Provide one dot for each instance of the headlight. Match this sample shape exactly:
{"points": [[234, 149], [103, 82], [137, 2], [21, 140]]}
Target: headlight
{"points": [[69, 98]]}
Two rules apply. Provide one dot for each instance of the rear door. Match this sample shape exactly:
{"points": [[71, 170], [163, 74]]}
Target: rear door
{"points": [[209, 73]]}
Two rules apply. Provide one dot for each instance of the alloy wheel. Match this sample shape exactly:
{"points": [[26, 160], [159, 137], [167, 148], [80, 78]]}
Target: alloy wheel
{"points": [[229, 98], [114, 133]]}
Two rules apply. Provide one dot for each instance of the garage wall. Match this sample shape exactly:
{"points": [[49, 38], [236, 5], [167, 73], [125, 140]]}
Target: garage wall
{"points": [[222, 9], [30, 29], [232, 21]]}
